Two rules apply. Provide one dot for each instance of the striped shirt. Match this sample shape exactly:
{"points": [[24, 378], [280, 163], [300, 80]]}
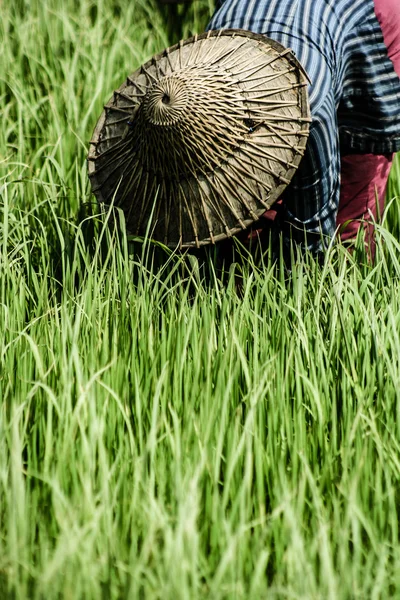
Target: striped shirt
{"points": [[354, 96]]}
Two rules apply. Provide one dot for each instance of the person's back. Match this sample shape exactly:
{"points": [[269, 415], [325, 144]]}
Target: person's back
{"points": [[354, 91]]}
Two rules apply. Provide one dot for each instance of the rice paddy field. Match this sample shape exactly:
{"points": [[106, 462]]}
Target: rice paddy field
{"points": [[162, 434]]}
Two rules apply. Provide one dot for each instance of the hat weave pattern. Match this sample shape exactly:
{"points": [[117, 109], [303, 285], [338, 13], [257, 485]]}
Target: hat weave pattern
{"points": [[202, 139]]}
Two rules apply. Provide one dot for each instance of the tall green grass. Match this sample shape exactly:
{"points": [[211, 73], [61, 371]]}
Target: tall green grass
{"points": [[392, 197], [162, 435]]}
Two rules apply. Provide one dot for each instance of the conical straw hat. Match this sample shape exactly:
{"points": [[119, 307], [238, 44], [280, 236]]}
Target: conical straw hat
{"points": [[202, 139]]}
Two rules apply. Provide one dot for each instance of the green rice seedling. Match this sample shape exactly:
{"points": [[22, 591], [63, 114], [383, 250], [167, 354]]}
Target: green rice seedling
{"points": [[162, 434], [392, 197]]}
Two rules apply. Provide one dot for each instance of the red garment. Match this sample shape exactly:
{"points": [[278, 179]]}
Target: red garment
{"points": [[388, 15], [362, 194], [364, 176]]}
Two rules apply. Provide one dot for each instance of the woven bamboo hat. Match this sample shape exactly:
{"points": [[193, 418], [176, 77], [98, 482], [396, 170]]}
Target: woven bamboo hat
{"points": [[202, 139]]}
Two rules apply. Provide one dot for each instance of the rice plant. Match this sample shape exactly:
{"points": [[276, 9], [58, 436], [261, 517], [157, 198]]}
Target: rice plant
{"points": [[162, 433]]}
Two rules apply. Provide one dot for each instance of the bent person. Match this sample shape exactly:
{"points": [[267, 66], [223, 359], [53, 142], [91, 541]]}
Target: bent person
{"points": [[219, 130], [351, 52]]}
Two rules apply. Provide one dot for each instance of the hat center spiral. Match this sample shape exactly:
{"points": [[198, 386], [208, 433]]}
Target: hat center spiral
{"points": [[166, 102]]}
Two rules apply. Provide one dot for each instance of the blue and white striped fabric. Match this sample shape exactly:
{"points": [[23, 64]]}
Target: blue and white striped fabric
{"points": [[354, 95]]}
